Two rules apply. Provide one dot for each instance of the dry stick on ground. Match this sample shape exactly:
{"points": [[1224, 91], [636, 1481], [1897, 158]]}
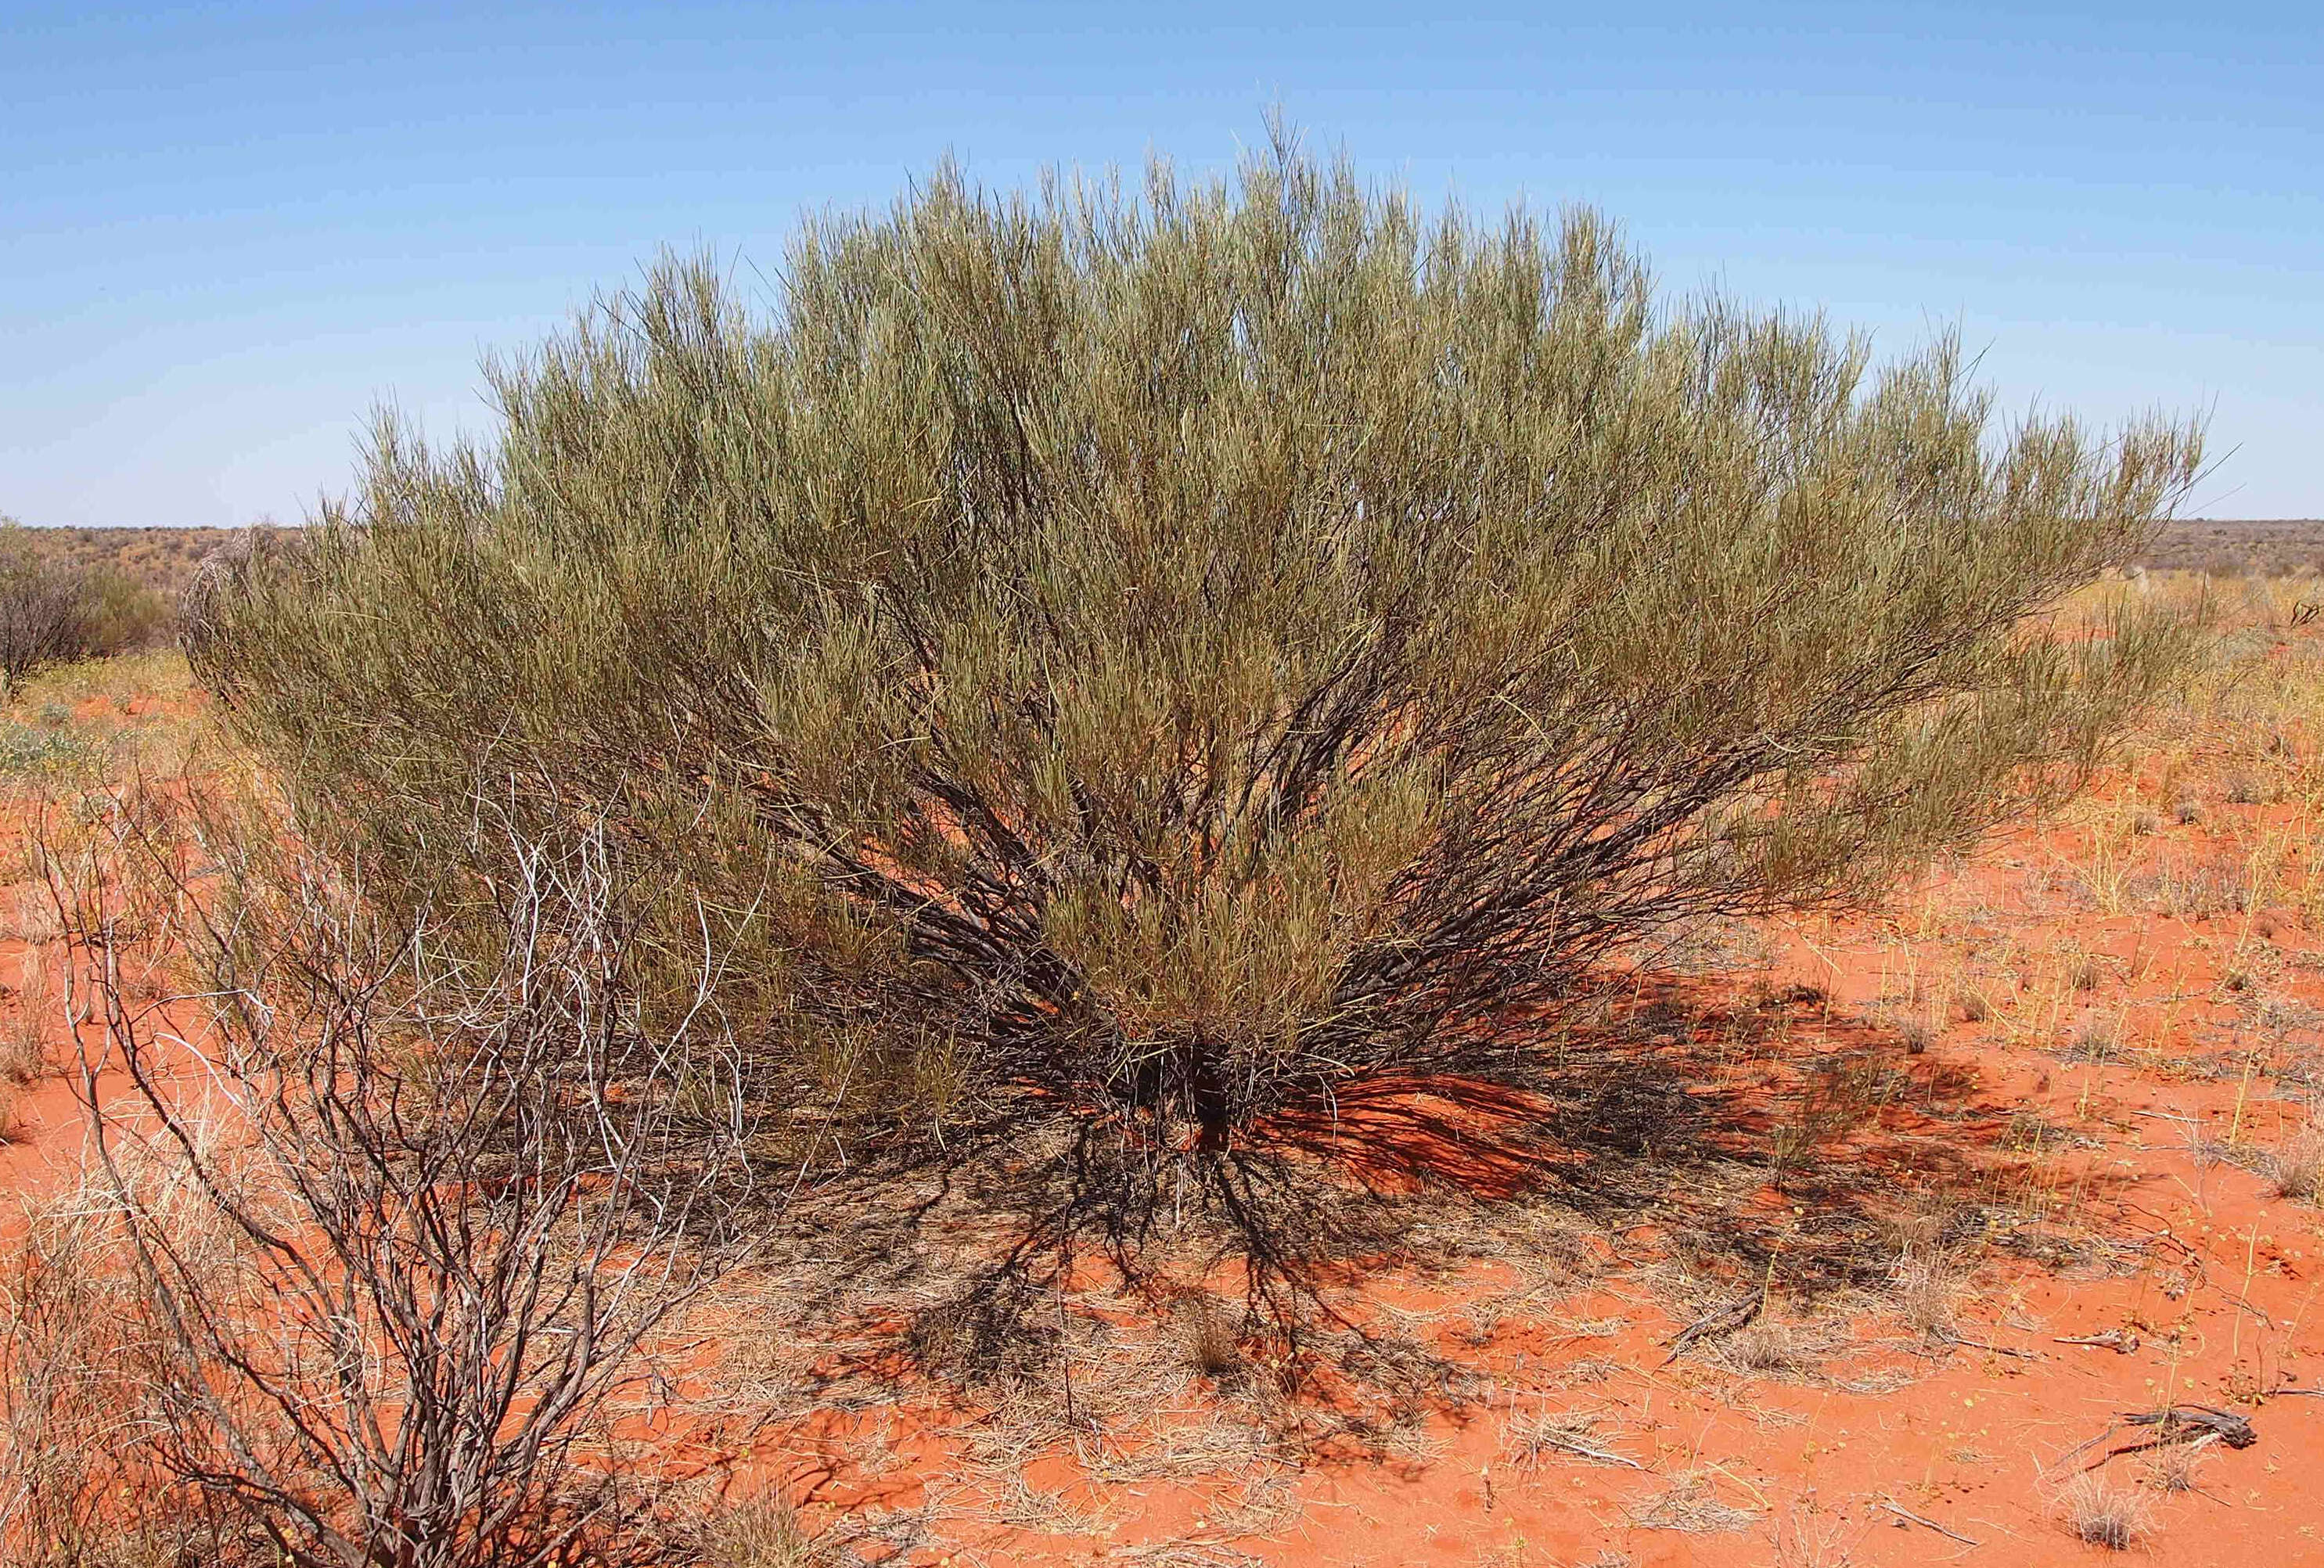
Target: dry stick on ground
{"points": [[1559, 1441], [463, 1196], [2192, 1423], [1711, 1324], [1904, 1513], [2121, 1342], [1948, 1336], [1564, 1434]]}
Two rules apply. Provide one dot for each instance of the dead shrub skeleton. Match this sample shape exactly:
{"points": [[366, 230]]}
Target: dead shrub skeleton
{"points": [[398, 1247]]}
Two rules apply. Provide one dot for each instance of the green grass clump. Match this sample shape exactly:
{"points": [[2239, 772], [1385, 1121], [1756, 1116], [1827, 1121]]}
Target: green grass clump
{"points": [[1177, 649]]}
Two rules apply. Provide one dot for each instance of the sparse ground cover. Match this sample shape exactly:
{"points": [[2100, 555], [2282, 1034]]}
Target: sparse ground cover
{"points": [[2233, 546], [1852, 1245]]}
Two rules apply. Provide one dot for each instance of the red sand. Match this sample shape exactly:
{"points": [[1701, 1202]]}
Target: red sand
{"points": [[1972, 1446]]}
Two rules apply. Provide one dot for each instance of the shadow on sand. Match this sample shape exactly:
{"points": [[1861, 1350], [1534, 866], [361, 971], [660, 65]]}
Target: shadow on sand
{"points": [[1711, 1142]]}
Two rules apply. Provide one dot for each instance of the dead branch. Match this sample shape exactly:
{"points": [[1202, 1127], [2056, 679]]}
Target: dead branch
{"points": [[2197, 1425], [1715, 1324], [1904, 1513], [1968, 1341]]}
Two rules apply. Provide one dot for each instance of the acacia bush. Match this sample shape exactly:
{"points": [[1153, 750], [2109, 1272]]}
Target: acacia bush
{"points": [[1174, 649], [52, 610]]}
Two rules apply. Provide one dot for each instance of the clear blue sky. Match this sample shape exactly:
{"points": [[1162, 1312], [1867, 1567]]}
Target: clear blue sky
{"points": [[227, 231]]}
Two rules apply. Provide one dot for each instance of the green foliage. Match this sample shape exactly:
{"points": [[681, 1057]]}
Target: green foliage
{"points": [[51, 611], [1177, 651], [124, 615], [47, 751]]}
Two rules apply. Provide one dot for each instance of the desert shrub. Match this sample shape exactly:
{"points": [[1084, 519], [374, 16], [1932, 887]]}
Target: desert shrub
{"points": [[44, 608], [124, 615], [389, 1276], [1176, 651], [53, 610]]}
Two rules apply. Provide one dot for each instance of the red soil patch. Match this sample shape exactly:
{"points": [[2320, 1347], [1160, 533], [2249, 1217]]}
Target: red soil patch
{"points": [[2129, 1069], [2154, 1142]]}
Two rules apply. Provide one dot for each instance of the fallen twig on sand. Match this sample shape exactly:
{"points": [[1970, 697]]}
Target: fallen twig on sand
{"points": [[1723, 1320], [1566, 1434], [1560, 1441], [1951, 1338], [1928, 1524], [2121, 1342], [2197, 1425]]}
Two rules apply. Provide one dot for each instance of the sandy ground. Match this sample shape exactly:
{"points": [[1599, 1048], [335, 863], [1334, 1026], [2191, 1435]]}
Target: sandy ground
{"points": [[1985, 1173]]}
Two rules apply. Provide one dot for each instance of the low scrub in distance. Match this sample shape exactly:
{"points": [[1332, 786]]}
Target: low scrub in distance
{"points": [[53, 612], [1174, 649]]}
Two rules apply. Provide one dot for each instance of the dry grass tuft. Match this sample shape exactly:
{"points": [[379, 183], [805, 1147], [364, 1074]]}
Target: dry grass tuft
{"points": [[2296, 1166], [2093, 1042], [2100, 1513], [1928, 1281], [2171, 1470], [1771, 1347], [1690, 1507], [24, 1030], [1841, 1094], [762, 1531], [1799, 1541], [2206, 1153], [1208, 1337], [35, 916], [79, 1485]]}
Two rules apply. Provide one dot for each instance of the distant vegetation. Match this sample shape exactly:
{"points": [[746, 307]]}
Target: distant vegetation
{"points": [[165, 559], [2259, 548], [64, 598]]}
